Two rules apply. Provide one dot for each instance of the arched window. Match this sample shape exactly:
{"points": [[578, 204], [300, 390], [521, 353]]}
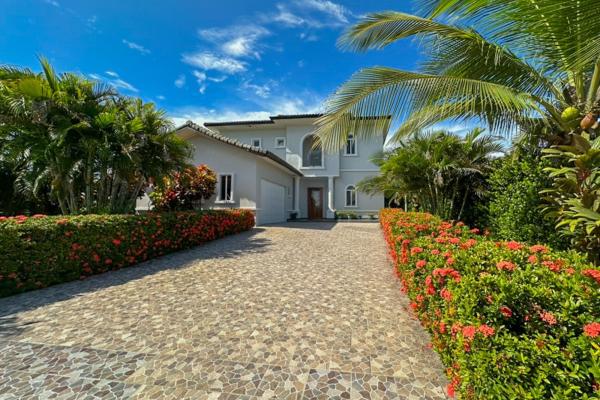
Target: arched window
{"points": [[312, 156], [350, 196], [350, 149]]}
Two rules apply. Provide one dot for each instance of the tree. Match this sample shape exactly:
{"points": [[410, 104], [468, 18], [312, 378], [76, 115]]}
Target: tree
{"points": [[532, 66], [185, 190], [95, 149], [438, 172]]}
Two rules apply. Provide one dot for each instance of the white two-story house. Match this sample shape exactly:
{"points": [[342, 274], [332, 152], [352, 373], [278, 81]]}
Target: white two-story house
{"points": [[272, 167]]}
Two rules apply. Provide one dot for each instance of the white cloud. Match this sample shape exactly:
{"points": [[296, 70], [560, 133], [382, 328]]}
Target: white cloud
{"points": [[180, 81], [286, 17], [236, 41], [136, 47], [334, 10], [115, 82], [309, 37], [160, 97], [112, 73], [52, 3], [201, 79], [217, 79], [209, 61], [263, 91]]}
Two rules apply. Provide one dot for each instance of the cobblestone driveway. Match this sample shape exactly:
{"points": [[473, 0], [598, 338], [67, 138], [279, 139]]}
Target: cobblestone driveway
{"points": [[306, 310]]}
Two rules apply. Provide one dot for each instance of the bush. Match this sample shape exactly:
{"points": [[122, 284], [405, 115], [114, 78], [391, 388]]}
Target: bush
{"points": [[515, 205], [185, 190], [40, 251], [510, 321]]}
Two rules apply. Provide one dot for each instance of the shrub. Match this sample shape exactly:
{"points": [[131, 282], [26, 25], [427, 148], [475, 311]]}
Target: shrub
{"points": [[515, 205], [185, 190], [40, 251], [509, 320]]}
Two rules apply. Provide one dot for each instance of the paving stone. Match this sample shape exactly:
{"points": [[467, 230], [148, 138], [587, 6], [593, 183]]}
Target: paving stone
{"points": [[302, 310]]}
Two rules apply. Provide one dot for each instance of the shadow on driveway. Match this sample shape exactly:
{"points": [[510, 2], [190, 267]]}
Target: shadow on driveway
{"points": [[227, 247]]}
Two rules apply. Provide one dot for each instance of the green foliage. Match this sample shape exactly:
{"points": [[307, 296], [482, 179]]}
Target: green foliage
{"points": [[185, 190], [515, 65], [515, 205], [93, 149], [510, 321], [438, 172], [575, 193], [40, 251], [346, 215]]}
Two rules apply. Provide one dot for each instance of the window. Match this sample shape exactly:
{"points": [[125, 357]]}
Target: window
{"points": [[280, 142], [257, 142], [350, 149], [351, 196], [225, 189], [312, 155]]}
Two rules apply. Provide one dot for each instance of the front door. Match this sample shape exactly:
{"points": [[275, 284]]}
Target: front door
{"points": [[315, 203]]}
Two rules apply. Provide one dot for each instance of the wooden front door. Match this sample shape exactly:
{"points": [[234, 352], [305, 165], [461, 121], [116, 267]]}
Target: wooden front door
{"points": [[315, 203]]}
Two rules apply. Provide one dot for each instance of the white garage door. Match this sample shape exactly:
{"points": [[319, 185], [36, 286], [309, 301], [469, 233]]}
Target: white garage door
{"points": [[272, 203]]}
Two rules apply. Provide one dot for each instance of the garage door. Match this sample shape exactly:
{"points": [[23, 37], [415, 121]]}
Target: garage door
{"points": [[272, 203]]}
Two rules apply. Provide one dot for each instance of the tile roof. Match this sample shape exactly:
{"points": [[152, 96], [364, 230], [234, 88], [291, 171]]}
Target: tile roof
{"points": [[271, 120], [251, 149]]}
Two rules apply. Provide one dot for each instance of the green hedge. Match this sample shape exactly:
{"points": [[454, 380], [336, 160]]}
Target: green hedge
{"points": [[509, 320], [40, 251]]}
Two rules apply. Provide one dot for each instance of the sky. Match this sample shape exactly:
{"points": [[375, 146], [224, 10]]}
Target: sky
{"points": [[201, 60]]}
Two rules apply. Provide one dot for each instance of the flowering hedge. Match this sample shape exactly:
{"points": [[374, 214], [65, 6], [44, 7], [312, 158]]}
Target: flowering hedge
{"points": [[40, 251], [510, 321]]}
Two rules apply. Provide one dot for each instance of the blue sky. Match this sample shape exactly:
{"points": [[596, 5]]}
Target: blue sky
{"points": [[201, 59]]}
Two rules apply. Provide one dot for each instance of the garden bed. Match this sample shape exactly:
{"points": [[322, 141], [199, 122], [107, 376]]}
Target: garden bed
{"points": [[40, 251], [510, 321]]}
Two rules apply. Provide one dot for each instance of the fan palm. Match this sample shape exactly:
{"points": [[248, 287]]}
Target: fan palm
{"points": [[517, 65], [436, 171]]}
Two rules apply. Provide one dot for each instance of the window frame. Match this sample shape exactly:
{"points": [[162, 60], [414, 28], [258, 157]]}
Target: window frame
{"points": [[322, 166], [352, 137], [231, 188], [259, 142], [355, 192], [277, 146]]}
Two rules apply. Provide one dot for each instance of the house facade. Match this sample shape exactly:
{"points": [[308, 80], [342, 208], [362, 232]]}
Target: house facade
{"points": [[272, 167]]}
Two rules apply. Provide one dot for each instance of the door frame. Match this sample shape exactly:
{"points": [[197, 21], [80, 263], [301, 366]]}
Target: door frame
{"points": [[308, 200]]}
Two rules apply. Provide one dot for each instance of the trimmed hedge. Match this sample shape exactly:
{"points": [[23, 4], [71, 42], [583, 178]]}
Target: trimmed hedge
{"points": [[510, 321], [40, 251]]}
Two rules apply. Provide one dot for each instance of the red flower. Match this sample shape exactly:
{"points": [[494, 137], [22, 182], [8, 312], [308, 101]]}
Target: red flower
{"points": [[538, 248], [548, 318], [62, 221], [486, 330], [474, 230], [592, 273], [435, 252], [116, 242], [512, 245], [532, 259], [506, 265], [507, 312], [446, 294], [469, 332], [551, 265], [416, 250], [592, 330], [421, 263]]}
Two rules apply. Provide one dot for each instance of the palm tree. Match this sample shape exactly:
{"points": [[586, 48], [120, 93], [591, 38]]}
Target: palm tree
{"points": [[436, 171], [516, 65]]}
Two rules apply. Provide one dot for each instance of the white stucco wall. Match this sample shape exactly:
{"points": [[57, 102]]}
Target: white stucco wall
{"points": [[266, 134], [268, 171], [365, 202]]}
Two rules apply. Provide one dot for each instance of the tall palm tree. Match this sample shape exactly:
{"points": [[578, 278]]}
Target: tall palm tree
{"points": [[512, 64]]}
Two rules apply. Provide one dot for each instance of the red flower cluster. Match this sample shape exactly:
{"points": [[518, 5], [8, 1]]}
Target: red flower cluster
{"points": [[592, 330]]}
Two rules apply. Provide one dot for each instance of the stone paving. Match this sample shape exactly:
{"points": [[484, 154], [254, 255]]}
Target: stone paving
{"points": [[298, 311]]}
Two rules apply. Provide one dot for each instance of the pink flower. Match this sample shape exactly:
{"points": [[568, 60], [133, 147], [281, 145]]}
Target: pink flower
{"points": [[548, 318], [506, 265], [435, 252]]}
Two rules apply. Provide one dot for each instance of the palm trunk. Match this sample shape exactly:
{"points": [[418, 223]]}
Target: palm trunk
{"points": [[464, 202]]}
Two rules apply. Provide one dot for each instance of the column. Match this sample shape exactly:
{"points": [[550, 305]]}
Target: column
{"points": [[297, 195], [330, 208]]}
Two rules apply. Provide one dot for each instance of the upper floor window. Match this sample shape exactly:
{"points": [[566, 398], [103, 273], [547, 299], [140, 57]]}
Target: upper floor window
{"points": [[312, 153], [257, 142], [351, 196], [350, 149], [225, 193], [280, 142]]}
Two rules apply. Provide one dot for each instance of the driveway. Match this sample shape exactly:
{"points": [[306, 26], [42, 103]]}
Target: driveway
{"points": [[305, 310]]}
